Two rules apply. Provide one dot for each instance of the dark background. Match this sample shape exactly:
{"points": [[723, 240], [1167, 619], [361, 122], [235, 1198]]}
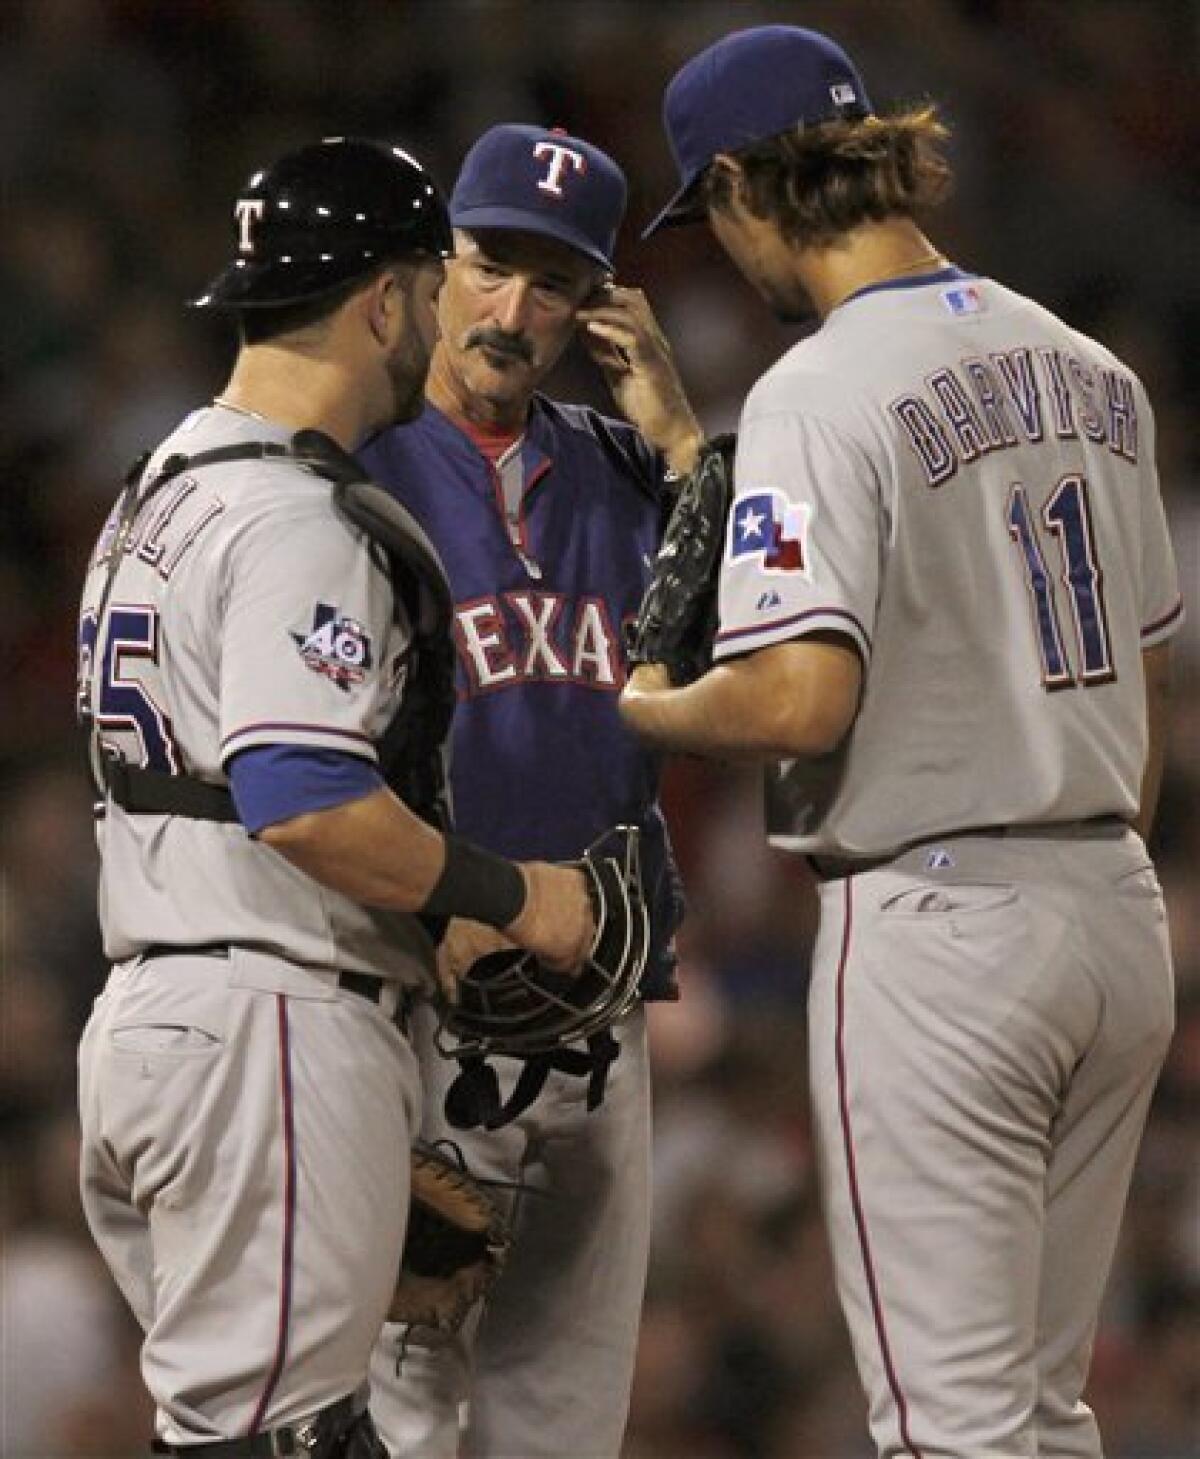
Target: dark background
{"points": [[126, 127]]}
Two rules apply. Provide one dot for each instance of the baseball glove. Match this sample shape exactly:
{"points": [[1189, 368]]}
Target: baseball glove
{"points": [[455, 1247], [677, 621]]}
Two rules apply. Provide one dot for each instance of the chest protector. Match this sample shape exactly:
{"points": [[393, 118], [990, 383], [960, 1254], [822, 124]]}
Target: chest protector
{"points": [[413, 750]]}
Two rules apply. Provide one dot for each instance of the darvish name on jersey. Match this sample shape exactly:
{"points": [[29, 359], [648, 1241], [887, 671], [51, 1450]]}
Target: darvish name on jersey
{"points": [[1015, 396], [516, 637]]}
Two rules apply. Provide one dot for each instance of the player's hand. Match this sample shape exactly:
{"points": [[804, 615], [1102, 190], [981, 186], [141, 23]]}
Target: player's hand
{"points": [[623, 337], [556, 923], [463, 945], [648, 679]]}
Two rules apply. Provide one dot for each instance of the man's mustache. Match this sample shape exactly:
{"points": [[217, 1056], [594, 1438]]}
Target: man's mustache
{"points": [[504, 344]]}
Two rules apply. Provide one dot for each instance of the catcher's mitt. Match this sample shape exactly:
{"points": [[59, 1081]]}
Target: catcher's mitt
{"points": [[455, 1247], [677, 621]]}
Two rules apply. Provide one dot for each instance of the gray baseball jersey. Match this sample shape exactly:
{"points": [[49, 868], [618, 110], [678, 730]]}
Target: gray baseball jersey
{"points": [[245, 614], [965, 487], [245, 1095]]}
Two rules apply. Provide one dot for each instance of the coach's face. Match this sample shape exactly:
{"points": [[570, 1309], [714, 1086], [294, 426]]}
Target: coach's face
{"points": [[507, 312]]}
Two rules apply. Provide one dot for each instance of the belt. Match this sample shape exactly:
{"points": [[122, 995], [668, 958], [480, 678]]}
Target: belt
{"points": [[366, 985], [281, 1443], [1095, 828]]}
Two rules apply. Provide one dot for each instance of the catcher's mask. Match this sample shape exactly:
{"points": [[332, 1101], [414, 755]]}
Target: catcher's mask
{"points": [[509, 1003]]}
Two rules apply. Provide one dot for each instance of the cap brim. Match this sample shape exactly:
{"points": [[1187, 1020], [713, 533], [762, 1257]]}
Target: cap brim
{"points": [[683, 208], [517, 220]]}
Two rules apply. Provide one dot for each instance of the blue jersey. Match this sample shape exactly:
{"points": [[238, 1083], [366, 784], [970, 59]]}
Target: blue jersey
{"points": [[542, 763]]}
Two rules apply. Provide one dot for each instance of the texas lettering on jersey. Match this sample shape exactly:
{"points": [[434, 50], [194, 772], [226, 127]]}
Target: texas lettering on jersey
{"points": [[518, 637]]}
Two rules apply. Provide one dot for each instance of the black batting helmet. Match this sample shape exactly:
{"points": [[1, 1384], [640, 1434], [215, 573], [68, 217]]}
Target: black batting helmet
{"points": [[323, 215]]}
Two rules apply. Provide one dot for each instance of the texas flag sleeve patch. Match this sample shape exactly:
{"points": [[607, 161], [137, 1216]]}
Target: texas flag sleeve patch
{"points": [[769, 526]]}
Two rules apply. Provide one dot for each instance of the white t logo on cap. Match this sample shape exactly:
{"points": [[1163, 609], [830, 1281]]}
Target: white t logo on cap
{"points": [[559, 157], [247, 211]]}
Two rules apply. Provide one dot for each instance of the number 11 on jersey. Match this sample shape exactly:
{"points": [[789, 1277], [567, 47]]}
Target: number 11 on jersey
{"points": [[1066, 516]]}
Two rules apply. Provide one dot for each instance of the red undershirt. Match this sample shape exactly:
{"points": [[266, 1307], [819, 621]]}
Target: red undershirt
{"points": [[491, 441]]}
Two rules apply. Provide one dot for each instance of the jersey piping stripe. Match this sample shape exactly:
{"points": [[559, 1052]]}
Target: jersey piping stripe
{"points": [[860, 1219], [729, 634], [1165, 621], [289, 1214], [296, 725]]}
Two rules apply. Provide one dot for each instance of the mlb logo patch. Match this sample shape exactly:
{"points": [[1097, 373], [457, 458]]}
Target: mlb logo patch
{"points": [[770, 526], [337, 648], [963, 299], [842, 94], [939, 859]]}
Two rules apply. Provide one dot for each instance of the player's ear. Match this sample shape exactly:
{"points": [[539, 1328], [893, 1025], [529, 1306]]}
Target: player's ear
{"points": [[385, 301]]}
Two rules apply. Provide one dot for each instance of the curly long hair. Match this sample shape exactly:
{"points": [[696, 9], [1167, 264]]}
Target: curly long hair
{"points": [[817, 183]]}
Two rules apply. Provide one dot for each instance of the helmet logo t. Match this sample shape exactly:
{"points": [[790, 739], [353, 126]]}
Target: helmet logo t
{"points": [[247, 211], [559, 157]]}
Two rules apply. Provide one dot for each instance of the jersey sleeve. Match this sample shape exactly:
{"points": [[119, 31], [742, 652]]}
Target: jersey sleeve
{"points": [[802, 550], [310, 653], [1161, 601]]}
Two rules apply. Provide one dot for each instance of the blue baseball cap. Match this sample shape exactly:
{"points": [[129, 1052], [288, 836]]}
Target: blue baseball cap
{"points": [[542, 180], [749, 86]]}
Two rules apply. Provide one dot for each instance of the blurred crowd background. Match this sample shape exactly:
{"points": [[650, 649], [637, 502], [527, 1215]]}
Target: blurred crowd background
{"points": [[126, 127]]}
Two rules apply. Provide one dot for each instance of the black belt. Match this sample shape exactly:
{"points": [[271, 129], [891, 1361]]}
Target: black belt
{"points": [[366, 985], [837, 868], [281, 1443]]}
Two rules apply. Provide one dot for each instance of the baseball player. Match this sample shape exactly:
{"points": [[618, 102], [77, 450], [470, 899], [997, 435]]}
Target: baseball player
{"points": [[945, 601], [546, 516], [247, 646]]}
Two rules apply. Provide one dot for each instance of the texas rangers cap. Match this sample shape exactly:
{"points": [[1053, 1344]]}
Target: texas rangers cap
{"points": [[542, 180], [751, 85]]}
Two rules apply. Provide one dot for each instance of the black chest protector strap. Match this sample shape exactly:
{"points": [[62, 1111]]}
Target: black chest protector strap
{"points": [[412, 748]]}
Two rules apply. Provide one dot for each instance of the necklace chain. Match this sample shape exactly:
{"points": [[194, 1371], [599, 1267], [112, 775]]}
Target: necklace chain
{"points": [[240, 409], [927, 260], [933, 257]]}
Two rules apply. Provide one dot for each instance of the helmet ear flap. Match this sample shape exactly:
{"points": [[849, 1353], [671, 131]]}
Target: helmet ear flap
{"points": [[508, 1003]]}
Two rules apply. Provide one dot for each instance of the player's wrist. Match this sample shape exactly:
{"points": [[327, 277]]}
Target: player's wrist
{"points": [[648, 677], [477, 884], [682, 451], [692, 450]]}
